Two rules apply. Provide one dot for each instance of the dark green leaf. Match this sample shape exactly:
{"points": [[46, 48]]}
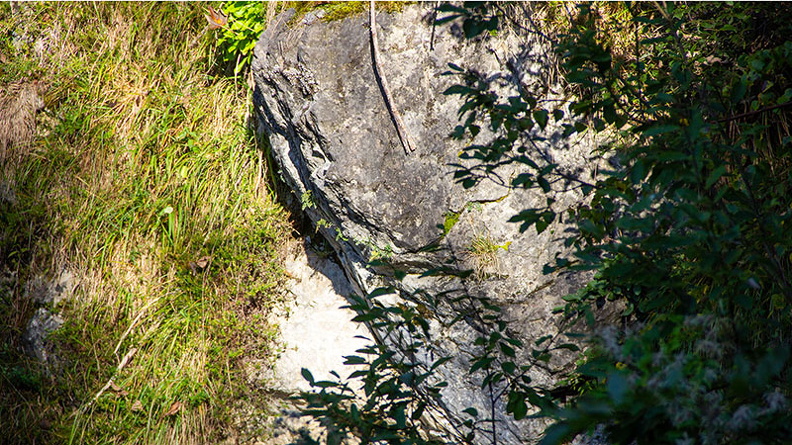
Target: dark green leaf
{"points": [[472, 412], [715, 175], [307, 376], [481, 364], [540, 116]]}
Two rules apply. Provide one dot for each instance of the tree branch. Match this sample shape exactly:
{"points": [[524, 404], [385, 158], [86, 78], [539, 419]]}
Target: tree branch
{"points": [[751, 113]]}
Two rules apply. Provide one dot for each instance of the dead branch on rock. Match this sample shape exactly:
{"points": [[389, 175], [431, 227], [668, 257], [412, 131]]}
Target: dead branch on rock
{"points": [[383, 85]]}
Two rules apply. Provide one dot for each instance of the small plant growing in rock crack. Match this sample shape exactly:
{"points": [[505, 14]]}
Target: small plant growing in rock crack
{"points": [[483, 254], [307, 200], [450, 219], [376, 253]]}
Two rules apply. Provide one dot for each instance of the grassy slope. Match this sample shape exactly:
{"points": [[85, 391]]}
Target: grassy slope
{"points": [[146, 184]]}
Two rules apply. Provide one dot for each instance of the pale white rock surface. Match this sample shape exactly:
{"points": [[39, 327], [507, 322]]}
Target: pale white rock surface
{"points": [[47, 294], [314, 329], [315, 332]]}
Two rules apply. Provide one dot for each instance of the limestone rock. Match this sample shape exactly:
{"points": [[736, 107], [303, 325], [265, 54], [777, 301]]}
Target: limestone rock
{"points": [[35, 339], [51, 292], [315, 331], [319, 104], [46, 294]]}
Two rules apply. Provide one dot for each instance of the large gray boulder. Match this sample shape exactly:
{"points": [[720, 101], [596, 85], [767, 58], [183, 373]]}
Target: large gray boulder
{"points": [[319, 104]]}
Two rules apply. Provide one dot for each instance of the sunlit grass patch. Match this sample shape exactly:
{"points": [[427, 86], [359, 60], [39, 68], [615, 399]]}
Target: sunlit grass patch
{"points": [[146, 183]]}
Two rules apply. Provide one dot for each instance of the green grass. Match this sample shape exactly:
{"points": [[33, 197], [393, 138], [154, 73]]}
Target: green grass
{"points": [[147, 185], [483, 254]]}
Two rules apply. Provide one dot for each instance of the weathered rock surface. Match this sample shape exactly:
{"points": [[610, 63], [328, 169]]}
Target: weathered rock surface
{"points": [[47, 295], [315, 332], [318, 102]]}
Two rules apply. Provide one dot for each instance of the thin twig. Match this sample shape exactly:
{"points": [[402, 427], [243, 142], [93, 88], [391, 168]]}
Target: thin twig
{"points": [[751, 113], [492, 414], [434, 27]]}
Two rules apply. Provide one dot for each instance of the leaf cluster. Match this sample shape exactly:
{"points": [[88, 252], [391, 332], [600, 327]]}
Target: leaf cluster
{"points": [[238, 37]]}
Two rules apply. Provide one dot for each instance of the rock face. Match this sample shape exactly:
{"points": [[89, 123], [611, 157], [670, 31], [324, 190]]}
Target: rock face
{"points": [[319, 104], [47, 294], [314, 331]]}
